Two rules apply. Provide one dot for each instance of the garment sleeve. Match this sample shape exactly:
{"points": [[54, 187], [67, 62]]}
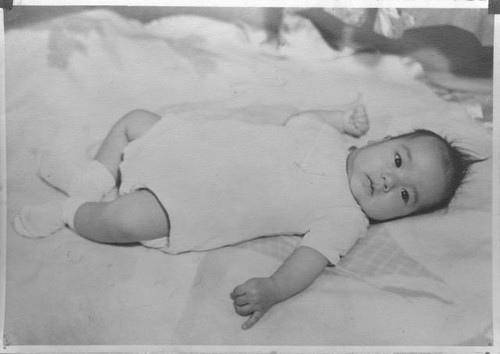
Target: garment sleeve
{"points": [[335, 236]]}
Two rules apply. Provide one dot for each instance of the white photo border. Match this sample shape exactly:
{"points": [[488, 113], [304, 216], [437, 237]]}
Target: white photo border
{"points": [[261, 349]]}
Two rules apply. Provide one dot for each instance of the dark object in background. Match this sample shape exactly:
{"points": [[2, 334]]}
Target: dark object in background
{"points": [[6, 4], [436, 48], [494, 6]]}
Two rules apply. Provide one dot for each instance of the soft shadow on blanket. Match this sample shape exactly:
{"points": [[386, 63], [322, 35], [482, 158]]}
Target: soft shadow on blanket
{"points": [[420, 281]]}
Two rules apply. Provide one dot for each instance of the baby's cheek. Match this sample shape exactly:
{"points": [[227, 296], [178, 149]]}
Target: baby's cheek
{"points": [[382, 208]]}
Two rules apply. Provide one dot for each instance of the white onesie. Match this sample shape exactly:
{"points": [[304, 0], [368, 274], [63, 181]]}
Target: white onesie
{"points": [[224, 182]]}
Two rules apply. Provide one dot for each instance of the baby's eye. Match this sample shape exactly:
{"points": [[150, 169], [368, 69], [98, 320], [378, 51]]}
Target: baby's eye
{"points": [[397, 160], [405, 195]]}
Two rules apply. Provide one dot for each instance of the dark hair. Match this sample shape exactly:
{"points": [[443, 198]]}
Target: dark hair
{"points": [[458, 161]]}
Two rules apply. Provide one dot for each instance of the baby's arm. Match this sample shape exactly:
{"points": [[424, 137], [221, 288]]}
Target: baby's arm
{"points": [[352, 121], [257, 295]]}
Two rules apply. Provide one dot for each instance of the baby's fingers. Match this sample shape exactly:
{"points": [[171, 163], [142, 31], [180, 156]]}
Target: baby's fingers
{"points": [[238, 291], [241, 300], [243, 310], [360, 108], [254, 318]]}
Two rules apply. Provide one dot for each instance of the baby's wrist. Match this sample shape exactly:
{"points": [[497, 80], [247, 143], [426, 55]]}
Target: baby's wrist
{"points": [[277, 291]]}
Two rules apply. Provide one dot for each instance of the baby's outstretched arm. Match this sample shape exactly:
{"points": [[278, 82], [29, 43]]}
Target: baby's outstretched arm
{"points": [[353, 121], [257, 295]]}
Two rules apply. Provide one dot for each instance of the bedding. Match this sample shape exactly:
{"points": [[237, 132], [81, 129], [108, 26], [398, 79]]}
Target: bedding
{"points": [[424, 280]]}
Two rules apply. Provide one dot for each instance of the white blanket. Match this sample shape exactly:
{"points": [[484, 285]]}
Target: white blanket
{"points": [[419, 281]]}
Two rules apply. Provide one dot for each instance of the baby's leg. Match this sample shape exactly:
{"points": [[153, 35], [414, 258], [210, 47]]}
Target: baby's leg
{"points": [[99, 176], [134, 217], [129, 128], [91, 184]]}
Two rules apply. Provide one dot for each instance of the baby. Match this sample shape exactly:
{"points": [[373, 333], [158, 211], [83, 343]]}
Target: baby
{"points": [[194, 185]]}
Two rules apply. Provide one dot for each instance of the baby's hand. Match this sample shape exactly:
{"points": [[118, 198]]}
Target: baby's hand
{"points": [[254, 297], [356, 121]]}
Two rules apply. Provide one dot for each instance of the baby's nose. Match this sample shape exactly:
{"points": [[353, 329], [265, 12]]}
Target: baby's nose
{"points": [[387, 181]]}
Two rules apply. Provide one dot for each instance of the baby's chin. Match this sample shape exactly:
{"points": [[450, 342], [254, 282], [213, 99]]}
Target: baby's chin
{"points": [[376, 217], [373, 212]]}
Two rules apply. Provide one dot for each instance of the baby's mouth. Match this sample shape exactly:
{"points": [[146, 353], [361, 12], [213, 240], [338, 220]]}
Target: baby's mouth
{"points": [[371, 184]]}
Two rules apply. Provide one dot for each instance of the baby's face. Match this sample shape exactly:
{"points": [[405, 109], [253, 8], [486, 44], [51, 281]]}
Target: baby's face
{"points": [[395, 178]]}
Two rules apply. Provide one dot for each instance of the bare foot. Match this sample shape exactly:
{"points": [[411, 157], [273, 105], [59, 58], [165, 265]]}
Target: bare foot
{"points": [[356, 121]]}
